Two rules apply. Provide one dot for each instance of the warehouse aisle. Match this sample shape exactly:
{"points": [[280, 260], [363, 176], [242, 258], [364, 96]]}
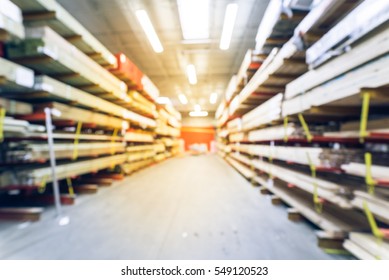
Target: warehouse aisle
{"points": [[206, 211]]}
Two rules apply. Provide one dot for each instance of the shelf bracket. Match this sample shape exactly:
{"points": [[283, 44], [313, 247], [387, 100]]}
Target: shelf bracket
{"points": [[305, 127]]}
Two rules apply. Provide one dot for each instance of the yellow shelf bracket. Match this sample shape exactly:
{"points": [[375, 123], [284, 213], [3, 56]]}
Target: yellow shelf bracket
{"points": [[305, 126], [70, 186], [373, 225], [286, 129], [370, 182], [2, 117], [76, 140], [114, 135], [364, 117], [318, 203], [43, 184]]}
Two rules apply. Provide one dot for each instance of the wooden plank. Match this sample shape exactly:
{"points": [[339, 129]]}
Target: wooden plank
{"points": [[76, 114], [325, 189], [369, 243], [357, 251], [38, 176], [329, 221], [20, 214], [11, 21], [40, 152], [363, 52], [46, 88], [65, 59], [51, 13]]}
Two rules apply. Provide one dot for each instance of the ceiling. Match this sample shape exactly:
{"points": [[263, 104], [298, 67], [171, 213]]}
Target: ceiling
{"points": [[114, 23]]}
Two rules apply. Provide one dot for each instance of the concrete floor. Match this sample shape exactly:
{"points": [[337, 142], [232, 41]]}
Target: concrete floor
{"points": [[206, 211]]}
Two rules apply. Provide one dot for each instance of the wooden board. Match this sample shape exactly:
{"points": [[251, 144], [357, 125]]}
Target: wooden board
{"points": [[11, 22], [40, 152], [47, 52], [76, 115], [35, 177], [49, 12], [374, 74], [377, 204], [46, 88], [376, 248], [14, 76], [328, 221], [365, 51]]}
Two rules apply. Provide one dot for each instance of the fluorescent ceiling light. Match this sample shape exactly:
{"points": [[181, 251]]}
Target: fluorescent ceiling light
{"points": [[183, 99], [228, 26], [191, 72], [213, 98], [194, 18], [198, 113], [197, 108], [148, 28], [164, 100]]}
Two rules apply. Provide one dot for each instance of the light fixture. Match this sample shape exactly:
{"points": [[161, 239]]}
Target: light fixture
{"points": [[213, 98], [164, 100], [197, 108], [148, 28], [194, 18], [198, 113], [191, 72], [183, 99], [228, 26]]}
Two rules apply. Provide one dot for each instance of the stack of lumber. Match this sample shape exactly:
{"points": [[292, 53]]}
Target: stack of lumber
{"points": [[265, 113], [11, 21], [138, 136], [319, 157], [367, 247], [52, 14], [143, 104], [87, 88], [38, 176], [34, 152], [75, 115], [46, 88], [364, 66], [331, 219], [272, 133], [14, 76], [354, 26], [131, 167], [132, 157], [326, 190], [244, 170], [158, 147], [359, 169], [47, 52], [315, 162]]}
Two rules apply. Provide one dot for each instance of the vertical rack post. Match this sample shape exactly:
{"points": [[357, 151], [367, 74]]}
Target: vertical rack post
{"points": [[49, 129]]}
